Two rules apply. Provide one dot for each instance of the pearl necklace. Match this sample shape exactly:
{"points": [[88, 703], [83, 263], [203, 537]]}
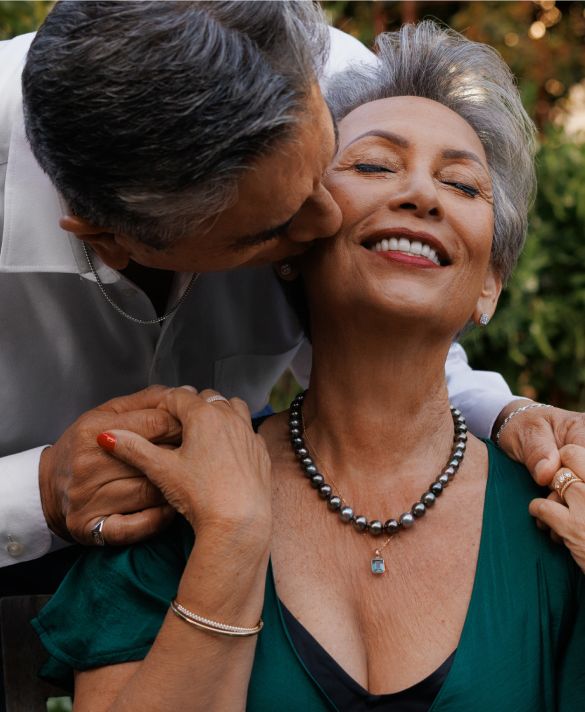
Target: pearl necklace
{"points": [[360, 523]]}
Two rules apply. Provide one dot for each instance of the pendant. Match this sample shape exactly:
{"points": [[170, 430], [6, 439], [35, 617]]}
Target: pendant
{"points": [[378, 565]]}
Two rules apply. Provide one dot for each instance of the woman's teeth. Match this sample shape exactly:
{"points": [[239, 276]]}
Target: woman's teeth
{"points": [[409, 247]]}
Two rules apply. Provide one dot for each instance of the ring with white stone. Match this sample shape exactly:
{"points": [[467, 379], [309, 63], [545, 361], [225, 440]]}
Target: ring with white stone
{"points": [[218, 398], [96, 531], [563, 480]]}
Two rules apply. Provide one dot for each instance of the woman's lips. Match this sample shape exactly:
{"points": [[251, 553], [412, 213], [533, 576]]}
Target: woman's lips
{"points": [[408, 259]]}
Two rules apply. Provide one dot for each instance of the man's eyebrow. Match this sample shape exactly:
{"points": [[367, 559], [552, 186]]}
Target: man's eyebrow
{"points": [[456, 153], [258, 238], [397, 140]]}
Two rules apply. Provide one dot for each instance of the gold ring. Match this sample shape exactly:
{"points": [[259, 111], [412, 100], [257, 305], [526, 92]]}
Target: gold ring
{"points": [[563, 480], [216, 398]]}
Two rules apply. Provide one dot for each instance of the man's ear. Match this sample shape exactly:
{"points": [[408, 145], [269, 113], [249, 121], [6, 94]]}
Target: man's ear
{"points": [[101, 240], [488, 299]]}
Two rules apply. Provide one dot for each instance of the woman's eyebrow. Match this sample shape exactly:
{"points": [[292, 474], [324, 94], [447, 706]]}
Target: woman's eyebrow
{"points": [[455, 153], [393, 138]]}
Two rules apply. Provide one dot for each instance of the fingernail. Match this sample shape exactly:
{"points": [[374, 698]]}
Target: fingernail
{"points": [[107, 441]]}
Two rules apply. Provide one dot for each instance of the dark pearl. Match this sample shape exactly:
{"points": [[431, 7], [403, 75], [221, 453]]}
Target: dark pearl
{"points": [[324, 490], [462, 428], [297, 441], [295, 432], [294, 423], [310, 470], [461, 445], [443, 479], [458, 454], [307, 461], [418, 510], [334, 502], [454, 463], [428, 499], [317, 480], [391, 527], [462, 436], [450, 472], [360, 523], [456, 412], [376, 527], [406, 520], [301, 452], [346, 514], [436, 488]]}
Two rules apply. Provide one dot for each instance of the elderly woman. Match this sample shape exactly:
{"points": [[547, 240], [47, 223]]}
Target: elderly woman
{"points": [[387, 557]]}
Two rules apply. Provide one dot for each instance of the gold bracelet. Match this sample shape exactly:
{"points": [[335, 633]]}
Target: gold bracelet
{"points": [[210, 626]]}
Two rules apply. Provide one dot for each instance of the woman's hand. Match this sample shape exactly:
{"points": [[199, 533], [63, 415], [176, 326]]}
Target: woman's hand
{"points": [[567, 520], [219, 477]]}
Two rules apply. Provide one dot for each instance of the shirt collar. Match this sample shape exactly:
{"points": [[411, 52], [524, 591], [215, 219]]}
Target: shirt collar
{"points": [[32, 240]]}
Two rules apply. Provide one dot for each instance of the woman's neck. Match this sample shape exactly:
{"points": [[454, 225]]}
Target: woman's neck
{"points": [[384, 421]]}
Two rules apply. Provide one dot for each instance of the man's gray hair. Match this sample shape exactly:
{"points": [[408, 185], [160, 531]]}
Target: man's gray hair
{"points": [[472, 80], [145, 114]]}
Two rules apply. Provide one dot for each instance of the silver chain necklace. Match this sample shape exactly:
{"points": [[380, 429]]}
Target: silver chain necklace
{"points": [[136, 320]]}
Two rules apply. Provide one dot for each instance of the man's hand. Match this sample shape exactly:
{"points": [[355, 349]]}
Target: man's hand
{"points": [[79, 482], [535, 436]]}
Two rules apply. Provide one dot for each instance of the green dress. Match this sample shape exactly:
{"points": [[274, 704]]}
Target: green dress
{"points": [[522, 648]]}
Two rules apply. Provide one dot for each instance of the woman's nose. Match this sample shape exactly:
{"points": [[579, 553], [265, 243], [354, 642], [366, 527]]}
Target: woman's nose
{"points": [[319, 216], [417, 194]]}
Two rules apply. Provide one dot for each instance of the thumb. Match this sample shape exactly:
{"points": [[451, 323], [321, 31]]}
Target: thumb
{"points": [[536, 447], [136, 451]]}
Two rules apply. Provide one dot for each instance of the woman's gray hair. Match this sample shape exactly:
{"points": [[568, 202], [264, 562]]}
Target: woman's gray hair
{"points": [[145, 114], [472, 80]]}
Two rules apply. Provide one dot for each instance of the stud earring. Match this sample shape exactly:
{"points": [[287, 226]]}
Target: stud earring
{"points": [[285, 270], [484, 319]]}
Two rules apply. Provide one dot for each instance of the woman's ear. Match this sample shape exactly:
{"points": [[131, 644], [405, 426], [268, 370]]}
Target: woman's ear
{"points": [[101, 240], [488, 299], [287, 270]]}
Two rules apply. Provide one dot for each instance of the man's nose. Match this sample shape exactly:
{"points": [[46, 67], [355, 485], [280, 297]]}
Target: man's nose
{"points": [[320, 216]]}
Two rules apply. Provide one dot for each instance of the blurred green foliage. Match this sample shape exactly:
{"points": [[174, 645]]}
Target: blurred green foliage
{"points": [[59, 704], [17, 18], [537, 337]]}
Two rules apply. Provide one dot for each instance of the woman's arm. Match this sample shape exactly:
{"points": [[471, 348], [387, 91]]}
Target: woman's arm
{"points": [[219, 479]]}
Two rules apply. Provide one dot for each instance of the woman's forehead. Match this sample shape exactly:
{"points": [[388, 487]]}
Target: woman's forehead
{"points": [[410, 118]]}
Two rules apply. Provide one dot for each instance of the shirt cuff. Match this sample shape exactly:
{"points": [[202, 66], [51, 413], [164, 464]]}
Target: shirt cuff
{"points": [[24, 534]]}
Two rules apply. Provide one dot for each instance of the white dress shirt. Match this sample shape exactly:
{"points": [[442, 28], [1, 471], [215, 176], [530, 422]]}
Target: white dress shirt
{"points": [[64, 350]]}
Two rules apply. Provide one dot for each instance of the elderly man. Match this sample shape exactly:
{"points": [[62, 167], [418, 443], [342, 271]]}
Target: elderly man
{"points": [[172, 142]]}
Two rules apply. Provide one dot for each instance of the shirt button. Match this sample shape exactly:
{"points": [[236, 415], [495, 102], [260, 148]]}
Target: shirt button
{"points": [[14, 547]]}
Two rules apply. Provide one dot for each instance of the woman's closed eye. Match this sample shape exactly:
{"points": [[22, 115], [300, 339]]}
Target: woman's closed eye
{"points": [[372, 168], [463, 188]]}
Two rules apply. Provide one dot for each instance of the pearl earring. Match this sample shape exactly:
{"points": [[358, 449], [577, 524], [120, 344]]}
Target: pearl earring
{"points": [[484, 319], [285, 269]]}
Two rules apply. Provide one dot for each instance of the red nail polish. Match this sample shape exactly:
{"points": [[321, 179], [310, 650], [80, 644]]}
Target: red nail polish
{"points": [[107, 441]]}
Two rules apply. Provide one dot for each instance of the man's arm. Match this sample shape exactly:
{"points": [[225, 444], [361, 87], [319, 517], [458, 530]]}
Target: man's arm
{"points": [[481, 395]]}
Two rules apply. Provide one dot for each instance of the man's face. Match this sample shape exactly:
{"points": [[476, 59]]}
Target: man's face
{"points": [[282, 207]]}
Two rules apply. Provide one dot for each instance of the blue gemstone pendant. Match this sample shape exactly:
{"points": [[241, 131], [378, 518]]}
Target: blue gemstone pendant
{"points": [[378, 565]]}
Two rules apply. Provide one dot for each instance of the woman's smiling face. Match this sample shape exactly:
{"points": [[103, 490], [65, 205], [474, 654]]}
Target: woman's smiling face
{"points": [[412, 181]]}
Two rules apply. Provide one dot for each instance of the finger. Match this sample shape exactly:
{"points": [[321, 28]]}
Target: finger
{"points": [[146, 398], [573, 457], [126, 529], [127, 495], [241, 408], [138, 452], [556, 516], [153, 424], [535, 445]]}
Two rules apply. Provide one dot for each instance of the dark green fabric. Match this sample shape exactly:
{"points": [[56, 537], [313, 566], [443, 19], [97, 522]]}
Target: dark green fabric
{"points": [[522, 648]]}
